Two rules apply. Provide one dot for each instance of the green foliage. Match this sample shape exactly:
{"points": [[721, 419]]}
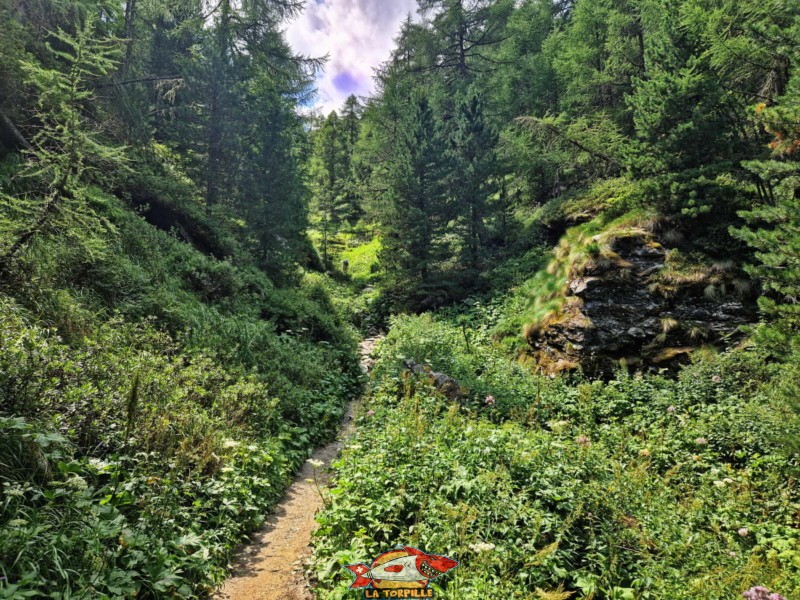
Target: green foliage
{"points": [[475, 164], [65, 149], [363, 261], [776, 241], [166, 453], [165, 362], [639, 487], [415, 209]]}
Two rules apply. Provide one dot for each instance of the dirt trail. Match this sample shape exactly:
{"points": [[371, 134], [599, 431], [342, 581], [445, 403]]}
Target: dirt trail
{"points": [[271, 566]]}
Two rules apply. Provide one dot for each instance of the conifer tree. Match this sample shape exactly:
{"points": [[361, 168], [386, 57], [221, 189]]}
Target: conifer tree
{"points": [[329, 168], [774, 224], [349, 134], [67, 149], [415, 207], [475, 167], [463, 32]]}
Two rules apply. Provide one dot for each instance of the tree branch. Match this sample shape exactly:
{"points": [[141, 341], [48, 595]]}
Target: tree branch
{"points": [[140, 80]]}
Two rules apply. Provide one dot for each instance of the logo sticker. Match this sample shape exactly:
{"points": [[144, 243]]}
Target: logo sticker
{"points": [[404, 572]]}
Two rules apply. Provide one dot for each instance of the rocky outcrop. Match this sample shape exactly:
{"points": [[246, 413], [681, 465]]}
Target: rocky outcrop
{"points": [[633, 308], [445, 384]]}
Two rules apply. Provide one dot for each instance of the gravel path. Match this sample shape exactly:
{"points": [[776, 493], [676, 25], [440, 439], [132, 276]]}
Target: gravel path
{"points": [[271, 566]]}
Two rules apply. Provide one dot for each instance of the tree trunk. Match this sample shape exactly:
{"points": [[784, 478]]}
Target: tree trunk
{"points": [[130, 17], [216, 114], [214, 150]]}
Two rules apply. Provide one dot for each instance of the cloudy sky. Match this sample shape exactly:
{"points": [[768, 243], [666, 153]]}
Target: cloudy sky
{"points": [[357, 35]]}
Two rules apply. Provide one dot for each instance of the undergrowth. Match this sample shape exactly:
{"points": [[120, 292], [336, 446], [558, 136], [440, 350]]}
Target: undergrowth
{"points": [[155, 402], [640, 487]]}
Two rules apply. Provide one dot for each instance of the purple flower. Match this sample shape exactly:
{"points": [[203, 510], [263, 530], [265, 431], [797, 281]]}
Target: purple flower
{"points": [[716, 379], [583, 440], [370, 413], [490, 401], [744, 532], [671, 409], [759, 592]]}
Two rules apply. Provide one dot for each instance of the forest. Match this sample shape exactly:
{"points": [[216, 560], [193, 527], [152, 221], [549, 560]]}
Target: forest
{"points": [[570, 227]]}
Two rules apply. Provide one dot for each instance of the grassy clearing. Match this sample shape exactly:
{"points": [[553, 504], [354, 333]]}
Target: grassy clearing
{"points": [[363, 261]]}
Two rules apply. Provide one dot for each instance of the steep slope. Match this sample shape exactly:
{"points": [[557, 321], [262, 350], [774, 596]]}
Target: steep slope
{"points": [[155, 402]]}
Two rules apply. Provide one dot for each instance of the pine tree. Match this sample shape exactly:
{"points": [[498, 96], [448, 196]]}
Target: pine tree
{"points": [[777, 239], [274, 192], [475, 167], [67, 149], [774, 230], [329, 170], [349, 133], [415, 207], [463, 32]]}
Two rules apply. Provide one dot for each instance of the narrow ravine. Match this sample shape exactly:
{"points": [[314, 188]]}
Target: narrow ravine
{"points": [[271, 566]]}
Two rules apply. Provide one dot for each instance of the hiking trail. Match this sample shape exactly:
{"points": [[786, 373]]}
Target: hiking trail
{"points": [[271, 565]]}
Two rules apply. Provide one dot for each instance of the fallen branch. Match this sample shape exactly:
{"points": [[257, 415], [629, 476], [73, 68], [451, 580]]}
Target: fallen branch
{"points": [[531, 122], [140, 80]]}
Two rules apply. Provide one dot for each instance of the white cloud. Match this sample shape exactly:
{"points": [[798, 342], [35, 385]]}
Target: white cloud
{"points": [[357, 36]]}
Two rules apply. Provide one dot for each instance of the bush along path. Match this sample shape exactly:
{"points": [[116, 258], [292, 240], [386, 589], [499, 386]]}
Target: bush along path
{"points": [[271, 567], [642, 487]]}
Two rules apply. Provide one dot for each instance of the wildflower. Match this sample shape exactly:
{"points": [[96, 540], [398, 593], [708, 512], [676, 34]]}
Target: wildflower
{"points": [[482, 547], [670, 409], [716, 379], [583, 440], [644, 452], [315, 463], [230, 444], [77, 483], [701, 441], [759, 592], [99, 464], [370, 413], [744, 532], [695, 457], [719, 483], [489, 401], [15, 491], [728, 480], [17, 523], [732, 554]]}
